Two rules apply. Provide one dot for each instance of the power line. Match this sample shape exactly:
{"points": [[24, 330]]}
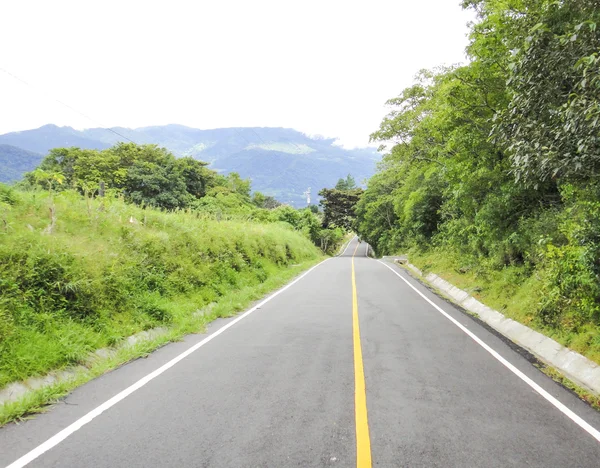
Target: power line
{"points": [[67, 106]]}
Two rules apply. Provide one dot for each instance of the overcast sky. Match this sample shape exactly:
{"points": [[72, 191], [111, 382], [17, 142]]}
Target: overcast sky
{"points": [[320, 66]]}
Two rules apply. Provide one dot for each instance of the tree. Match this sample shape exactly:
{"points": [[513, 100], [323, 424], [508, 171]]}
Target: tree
{"points": [[495, 165], [198, 179], [156, 185], [551, 125], [338, 207], [346, 184], [50, 180], [375, 211], [238, 185], [144, 174], [265, 201]]}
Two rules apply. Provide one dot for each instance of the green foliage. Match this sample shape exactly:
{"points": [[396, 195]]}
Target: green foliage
{"points": [[550, 126], [339, 206], [309, 224], [151, 176], [571, 268], [110, 269], [238, 185], [346, 184], [8, 196], [222, 203], [494, 164], [264, 201], [143, 174]]}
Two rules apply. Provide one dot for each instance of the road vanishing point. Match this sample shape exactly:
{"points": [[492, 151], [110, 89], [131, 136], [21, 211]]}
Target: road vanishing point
{"points": [[353, 364]]}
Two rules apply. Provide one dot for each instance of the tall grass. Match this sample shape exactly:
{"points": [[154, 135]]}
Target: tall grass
{"points": [[80, 274]]}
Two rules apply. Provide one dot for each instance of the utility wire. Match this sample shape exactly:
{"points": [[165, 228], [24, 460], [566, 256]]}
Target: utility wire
{"points": [[67, 105]]}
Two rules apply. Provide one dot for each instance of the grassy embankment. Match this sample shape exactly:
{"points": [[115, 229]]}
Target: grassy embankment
{"points": [[515, 291], [103, 270]]}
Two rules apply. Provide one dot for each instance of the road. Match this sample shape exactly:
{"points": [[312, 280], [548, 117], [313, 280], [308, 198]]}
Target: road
{"points": [[339, 369]]}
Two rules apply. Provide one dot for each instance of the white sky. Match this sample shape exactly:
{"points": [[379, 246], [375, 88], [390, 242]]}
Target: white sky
{"points": [[320, 66]]}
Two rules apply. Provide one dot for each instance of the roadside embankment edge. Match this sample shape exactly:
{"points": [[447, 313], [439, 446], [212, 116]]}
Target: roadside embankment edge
{"points": [[573, 365]]}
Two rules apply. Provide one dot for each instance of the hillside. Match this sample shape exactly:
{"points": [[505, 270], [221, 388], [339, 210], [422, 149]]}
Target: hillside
{"points": [[102, 270], [281, 162], [15, 161]]}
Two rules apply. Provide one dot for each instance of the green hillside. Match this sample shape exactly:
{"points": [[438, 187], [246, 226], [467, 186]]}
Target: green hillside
{"points": [[14, 162], [80, 274]]}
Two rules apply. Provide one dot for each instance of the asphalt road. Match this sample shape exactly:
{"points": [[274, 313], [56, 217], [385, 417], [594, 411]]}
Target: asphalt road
{"points": [[283, 387]]}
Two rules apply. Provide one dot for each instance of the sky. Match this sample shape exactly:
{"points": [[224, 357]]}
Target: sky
{"points": [[323, 67]]}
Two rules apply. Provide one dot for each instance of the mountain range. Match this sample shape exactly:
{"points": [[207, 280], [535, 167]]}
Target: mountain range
{"points": [[281, 162]]}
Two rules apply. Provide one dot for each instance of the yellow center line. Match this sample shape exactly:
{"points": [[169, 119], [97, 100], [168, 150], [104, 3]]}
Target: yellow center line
{"points": [[363, 440]]}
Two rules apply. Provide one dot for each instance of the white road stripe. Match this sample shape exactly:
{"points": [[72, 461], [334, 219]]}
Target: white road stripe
{"points": [[561, 407], [348, 245], [66, 432]]}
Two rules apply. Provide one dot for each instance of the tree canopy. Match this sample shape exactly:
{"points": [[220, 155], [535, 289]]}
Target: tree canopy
{"points": [[498, 160], [151, 176], [339, 206], [346, 184], [143, 174]]}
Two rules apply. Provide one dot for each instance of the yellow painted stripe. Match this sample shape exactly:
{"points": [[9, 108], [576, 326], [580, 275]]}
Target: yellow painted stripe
{"points": [[363, 440]]}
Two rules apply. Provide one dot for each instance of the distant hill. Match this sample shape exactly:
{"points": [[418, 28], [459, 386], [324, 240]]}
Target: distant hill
{"points": [[280, 161], [15, 161], [47, 137]]}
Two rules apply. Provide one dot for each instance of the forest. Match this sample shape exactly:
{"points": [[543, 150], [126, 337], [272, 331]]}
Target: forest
{"points": [[491, 169]]}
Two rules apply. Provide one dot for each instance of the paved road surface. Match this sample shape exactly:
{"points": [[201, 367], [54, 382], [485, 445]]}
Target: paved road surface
{"points": [[284, 387]]}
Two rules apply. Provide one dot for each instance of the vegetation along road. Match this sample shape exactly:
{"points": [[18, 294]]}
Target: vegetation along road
{"points": [[352, 364]]}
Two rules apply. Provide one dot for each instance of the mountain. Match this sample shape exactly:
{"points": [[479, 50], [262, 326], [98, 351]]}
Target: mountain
{"points": [[280, 161], [40, 140], [15, 161]]}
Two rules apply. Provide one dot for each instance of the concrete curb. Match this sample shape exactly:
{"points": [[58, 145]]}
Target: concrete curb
{"points": [[17, 390], [576, 367]]}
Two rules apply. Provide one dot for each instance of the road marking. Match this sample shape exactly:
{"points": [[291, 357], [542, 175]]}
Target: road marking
{"points": [[348, 245], [561, 407], [66, 432], [363, 440]]}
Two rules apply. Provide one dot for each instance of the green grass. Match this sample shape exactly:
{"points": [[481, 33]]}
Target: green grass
{"points": [[582, 393], [104, 270], [515, 291], [38, 400]]}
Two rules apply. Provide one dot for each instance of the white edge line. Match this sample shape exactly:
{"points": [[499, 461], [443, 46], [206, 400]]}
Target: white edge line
{"points": [[560, 406], [348, 245], [67, 431]]}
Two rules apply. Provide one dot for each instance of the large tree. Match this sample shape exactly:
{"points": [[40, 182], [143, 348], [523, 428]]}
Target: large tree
{"points": [[550, 52], [143, 174], [338, 207]]}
